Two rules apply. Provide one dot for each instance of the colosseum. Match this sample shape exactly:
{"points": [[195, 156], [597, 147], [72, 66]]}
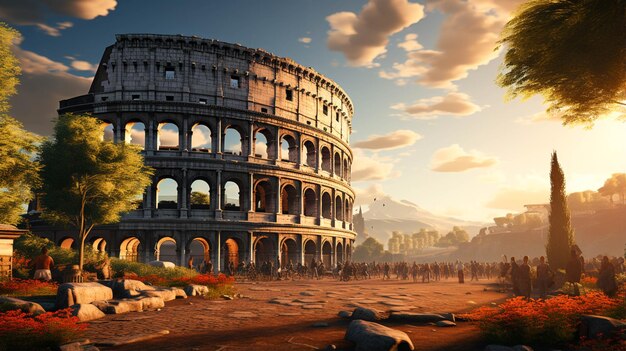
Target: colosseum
{"points": [[251, 153]]}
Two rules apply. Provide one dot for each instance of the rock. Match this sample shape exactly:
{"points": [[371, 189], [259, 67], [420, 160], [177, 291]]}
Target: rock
{"points": [[86, 312], [69, 294], [593, 327], [162, 264], [151, 303], [226, 297], [369, 336], [196, 290], [330, 347], [180, 293], [449, 316], [11, 303], [73, 346], [164, 293], [366, 314], [320, 325], [119, 306], [409, 317], [445, 323], [344, 314]]}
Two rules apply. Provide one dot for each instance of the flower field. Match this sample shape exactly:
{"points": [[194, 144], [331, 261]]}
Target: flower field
{"points": [[27, 287]]}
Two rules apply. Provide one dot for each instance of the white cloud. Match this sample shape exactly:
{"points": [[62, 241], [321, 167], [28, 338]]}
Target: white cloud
{"points": [[372, 167], [54, 31], [364, 37], [410, 43], [394, 140], [84, 66], [452, 104], [305, 40], [455, 159], [365, 196], [523, 191]]}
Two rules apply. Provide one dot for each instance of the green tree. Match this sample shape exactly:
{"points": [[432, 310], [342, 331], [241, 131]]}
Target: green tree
{"points": [[369, 250], [560, 233], [18, 171], [570, 52], [88, 181], [199, 198]]}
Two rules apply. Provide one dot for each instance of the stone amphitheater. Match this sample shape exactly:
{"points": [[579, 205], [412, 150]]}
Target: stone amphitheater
{"points": [[251, 153]]}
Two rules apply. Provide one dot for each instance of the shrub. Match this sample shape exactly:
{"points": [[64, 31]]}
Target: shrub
{"points": [[27, 287], [23, 331]]}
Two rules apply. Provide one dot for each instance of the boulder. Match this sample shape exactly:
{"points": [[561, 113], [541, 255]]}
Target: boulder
{"points": [[119, 306], [126, 288], [151, 303], [70, 294], [410, 317], [86, 312], [196, 290], [449, 316], [180, 293], [165, 294], [370, 336], [593, 327], [162, 264], [445, 323], [344, 314], [367, 314], [11, 303]]}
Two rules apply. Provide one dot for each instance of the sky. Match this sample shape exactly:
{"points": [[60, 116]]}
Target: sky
{"points": [[431, 126]]}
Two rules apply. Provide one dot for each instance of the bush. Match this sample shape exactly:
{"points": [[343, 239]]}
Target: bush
{"points": [[23, 331], [21, 287]]}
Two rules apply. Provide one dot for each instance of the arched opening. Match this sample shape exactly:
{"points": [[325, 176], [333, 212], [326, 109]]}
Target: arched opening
{"points": [[108, 133], [168, 136], [288, 200], [348, 211], [339, 253], [326, 206], [348, 252], [289, 253], [165, 249], [345, 169], [167, 194], [261, 145], [135, 134], [232, 196], [200, 196], [199, 250], [263, 199], [99, 245], [338, 208], [232, 253], [129, 249], [232, 141], [309, 252], [310, 155], [288, 149], [201, 138], [337, 169], [67, 243], [138, 201], [263, 251], [310, 204], [348, 174], [327, 255], [326, 159]]}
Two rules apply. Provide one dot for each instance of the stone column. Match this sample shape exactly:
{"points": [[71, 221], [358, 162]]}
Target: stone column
{"points": [[251, 246], [117, 130], [182, 136], [250, 193], [218, 193], [277, 148], [217, 262], [278, 249], [250, 140], [277, 193], [318, 198], [219, 136], [184, 195]]}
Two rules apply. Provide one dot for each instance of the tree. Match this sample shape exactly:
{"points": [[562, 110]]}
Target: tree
{"points": [[570, 52], [199, 198], [560, 233], [614, 185], [369, 250], [18, 171], [88, 181]]}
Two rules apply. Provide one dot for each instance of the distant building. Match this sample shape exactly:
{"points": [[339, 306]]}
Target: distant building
{"points": [[359, 227], [542, 210]]}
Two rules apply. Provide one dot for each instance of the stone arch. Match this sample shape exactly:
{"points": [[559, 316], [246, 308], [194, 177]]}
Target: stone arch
{"points": [[98, 244], [263, 251], [345, 168], [348, 252], [310, 154], [264, 201], [201, 138], [348, 211], [165, 249], [310, 203], [168, 136], [167, 194], [135, 133], [289, 253], [232, 196], [288, 148], [288, 200], [327, 253], [108, 131], [264, 143], [339, 251], [232, 141], [200, 195], [233, 251], [338, 208], [129, 249], [199, 249], [310, 251], [326, 205], [337, 169], [67, 243], [325, 151]]}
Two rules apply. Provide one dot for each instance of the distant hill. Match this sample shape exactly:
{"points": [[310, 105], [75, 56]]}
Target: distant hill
{"points": [[386, 215]]}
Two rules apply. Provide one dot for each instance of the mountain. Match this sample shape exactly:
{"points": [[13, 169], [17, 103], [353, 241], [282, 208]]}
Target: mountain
{"points": [[386, 215]]}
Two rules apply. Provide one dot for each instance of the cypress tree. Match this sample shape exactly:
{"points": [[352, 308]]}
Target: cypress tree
{"points": [[560, 235]]}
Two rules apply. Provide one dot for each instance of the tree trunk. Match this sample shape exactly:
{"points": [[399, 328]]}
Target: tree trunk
{"points": [[81, 251]]}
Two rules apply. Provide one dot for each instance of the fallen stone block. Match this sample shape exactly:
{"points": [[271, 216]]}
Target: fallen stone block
{"points": [[370, 336], [445, 323], [165, 294], [151, 303], [593, 327], [180, 293], [11, 303], [410, 317], [196, 290], [86, 312], [367, 314], [69, 294], [162, 264]]}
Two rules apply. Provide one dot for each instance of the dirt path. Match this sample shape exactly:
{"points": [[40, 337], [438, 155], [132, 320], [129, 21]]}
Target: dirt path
{"points": [[258, 323]]}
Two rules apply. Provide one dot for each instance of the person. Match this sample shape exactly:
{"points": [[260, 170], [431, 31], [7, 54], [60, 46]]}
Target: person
{"points": [[386, 270], [209, 267], [525, 286], [190, 263], [573, 271], [515, 276], [43, 265], [460, 273], [606, 278], [544, 277]]}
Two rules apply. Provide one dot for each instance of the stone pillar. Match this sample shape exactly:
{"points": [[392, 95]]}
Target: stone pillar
{"points": [[218, 195], [182, 136], [277, 147], [250, 140], [318, 197], [250, 193], [217, 263], [219, 136], [149, 135], [149, 201], [184, 195], [277, 194], [251, 246], [278, 249], [117, 130]]}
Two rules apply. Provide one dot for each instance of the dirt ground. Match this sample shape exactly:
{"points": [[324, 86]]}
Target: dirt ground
{"points": [[280, 316]]}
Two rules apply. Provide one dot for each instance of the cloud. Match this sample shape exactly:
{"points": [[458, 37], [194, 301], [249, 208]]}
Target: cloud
{"points": [[365, 196], [538, 117], [43, 84], [364, 37], [372, 167], [524, 190], [305, 40], [455, 159], [410, 43], [453, 104], [84, 66], [35, 12], [390, 141]]}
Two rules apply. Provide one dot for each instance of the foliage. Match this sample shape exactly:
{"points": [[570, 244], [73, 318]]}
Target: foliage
{"points": [[27, 287], [560, 234], [198, 198], [9, 65], [369, 250], [539, 322], [102, 182], [614, 185], [23, 331], [560, 48], [456, 236]]}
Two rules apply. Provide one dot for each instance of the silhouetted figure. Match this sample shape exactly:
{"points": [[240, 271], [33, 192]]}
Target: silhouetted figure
{"points": [[460, 271], [43, 265], [515, 276], [574, 271], [525, 286], [190, 263], [606, 278], [544, 277]]}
